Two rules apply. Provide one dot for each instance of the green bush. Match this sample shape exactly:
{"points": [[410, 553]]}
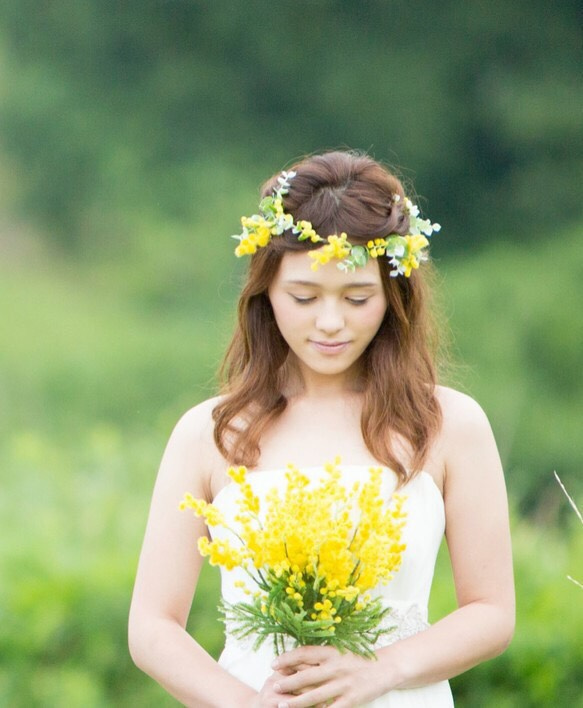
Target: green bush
{"points": [[542, 666]]}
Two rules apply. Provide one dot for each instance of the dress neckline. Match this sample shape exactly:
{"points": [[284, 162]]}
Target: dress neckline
{"points": [[422, 474]]}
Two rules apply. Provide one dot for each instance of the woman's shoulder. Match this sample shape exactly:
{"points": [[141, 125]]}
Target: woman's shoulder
{"points": [[459, 410], [466, 439], [194, 432], [198, 420]]}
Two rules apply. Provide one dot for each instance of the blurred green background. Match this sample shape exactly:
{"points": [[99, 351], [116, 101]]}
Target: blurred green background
{"points": [[133, 135]]}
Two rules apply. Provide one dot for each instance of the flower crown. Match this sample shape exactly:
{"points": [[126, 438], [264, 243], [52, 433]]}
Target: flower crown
{"points": [[405, 253]]}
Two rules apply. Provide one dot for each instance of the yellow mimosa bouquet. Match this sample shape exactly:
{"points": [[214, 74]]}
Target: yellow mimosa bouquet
{"points": [[312, 556]]}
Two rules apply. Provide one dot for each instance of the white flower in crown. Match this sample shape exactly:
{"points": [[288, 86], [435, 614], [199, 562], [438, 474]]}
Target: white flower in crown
{"points": [[425, 226], [410, 208], [396, 248], [282, 223], [416, 224], [398, 268], [284, 180]]}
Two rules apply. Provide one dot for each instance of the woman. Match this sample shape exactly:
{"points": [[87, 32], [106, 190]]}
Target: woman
{"points": [[332, 357]]}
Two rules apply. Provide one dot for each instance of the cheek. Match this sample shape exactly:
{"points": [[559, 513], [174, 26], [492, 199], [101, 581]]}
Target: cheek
{"points": [[373, 317], [285, 313]]}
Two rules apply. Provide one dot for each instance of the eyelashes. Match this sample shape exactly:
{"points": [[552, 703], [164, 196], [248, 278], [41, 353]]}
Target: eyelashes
{"points": [[352, 300]]}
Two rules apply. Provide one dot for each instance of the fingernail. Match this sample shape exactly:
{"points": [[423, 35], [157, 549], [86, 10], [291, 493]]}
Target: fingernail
{"points": [[283, 705], [275, 664], [277, 688]]}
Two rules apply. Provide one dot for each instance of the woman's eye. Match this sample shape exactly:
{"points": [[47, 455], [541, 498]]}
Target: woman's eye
{"points": [[352, 300]]}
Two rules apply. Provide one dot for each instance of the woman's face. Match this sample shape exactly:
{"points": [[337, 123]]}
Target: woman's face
{"points": [[327, 317]]}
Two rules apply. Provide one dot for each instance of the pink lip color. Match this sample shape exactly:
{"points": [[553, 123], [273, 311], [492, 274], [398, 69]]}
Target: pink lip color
{"points": [[329, 347]]}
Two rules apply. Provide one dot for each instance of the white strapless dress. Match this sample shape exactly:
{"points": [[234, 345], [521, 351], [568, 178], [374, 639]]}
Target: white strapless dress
{"points": [[406, 594]]}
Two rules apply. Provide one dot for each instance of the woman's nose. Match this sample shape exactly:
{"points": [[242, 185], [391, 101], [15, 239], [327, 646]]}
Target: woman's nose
{"points": [[330, 318]]}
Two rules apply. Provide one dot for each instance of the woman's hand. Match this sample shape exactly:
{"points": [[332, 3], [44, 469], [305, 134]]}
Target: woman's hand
{"points": [[321, 676], [268, 696]]}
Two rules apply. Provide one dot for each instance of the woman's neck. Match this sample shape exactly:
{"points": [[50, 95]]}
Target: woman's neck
{"points": [[310, 385]]}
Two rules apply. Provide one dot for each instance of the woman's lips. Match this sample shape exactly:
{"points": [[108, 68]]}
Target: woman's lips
{"points": [[329, 347]]}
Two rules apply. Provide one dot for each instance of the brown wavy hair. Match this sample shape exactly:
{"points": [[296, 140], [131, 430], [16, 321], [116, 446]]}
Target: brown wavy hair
{"points": [[336, 191]]}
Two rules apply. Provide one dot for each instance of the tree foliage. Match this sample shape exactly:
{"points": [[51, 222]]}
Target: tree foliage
{"points": [[108, 108]]}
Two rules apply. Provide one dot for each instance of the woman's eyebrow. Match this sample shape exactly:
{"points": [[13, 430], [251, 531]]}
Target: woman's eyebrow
{"points": [[309, 283]]}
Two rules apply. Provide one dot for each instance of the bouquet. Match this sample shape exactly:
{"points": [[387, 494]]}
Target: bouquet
{"points": [[311, 557]]}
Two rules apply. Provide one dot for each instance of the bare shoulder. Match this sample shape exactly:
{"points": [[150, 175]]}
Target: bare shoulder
{"points": [[461, 413], [197, 423], [466, 438], [191, 452], [462, 417]]}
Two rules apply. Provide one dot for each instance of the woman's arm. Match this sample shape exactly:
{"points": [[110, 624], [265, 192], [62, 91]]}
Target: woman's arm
{"points": [[167, 574], [478, 537]]}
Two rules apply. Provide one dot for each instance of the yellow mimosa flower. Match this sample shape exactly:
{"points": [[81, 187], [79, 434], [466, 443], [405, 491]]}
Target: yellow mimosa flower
{"points": [[314, 548]]}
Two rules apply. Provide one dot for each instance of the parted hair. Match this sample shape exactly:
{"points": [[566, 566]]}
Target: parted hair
{"points": [[337, 192]]}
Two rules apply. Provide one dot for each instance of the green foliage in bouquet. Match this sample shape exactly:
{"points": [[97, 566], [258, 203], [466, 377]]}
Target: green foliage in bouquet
{"points": [[349, 629]]}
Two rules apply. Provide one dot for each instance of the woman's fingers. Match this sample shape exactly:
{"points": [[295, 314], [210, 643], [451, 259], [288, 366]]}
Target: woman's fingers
{"points": [[301, 681], [319, 696], [309, 655], [326, 677], [268, 697], [287, 671]]}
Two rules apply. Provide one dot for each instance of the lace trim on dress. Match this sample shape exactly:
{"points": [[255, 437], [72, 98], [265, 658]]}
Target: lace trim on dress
{"points": [[405, 621]]}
